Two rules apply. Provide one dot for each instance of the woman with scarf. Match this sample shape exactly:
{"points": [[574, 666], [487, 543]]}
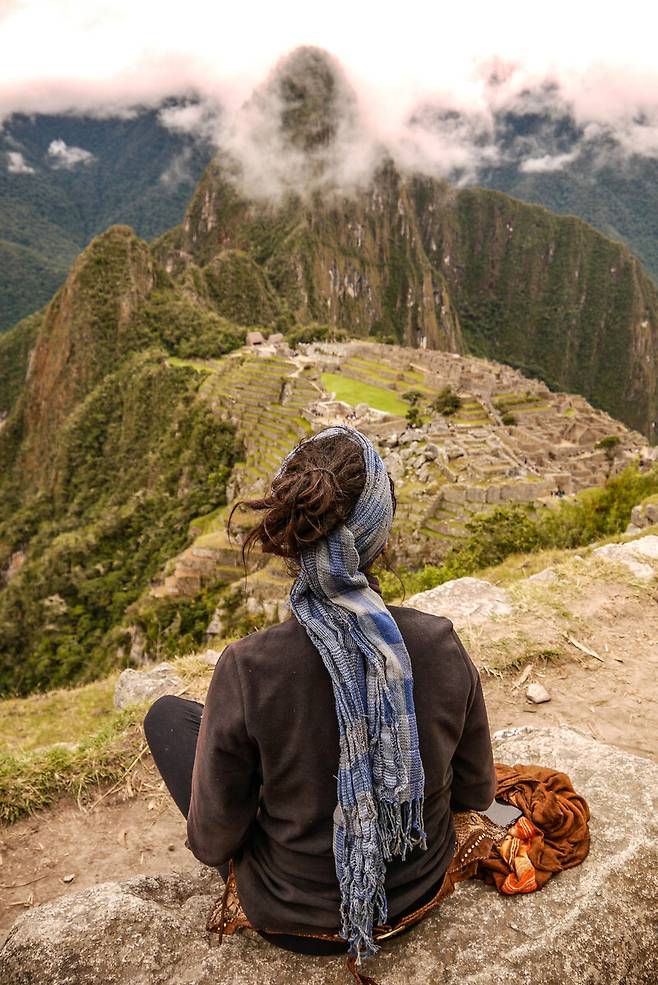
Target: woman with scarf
{"points": [[332, 748]]}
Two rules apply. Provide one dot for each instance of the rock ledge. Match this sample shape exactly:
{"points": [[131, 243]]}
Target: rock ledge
{"points": [[591, 924]]}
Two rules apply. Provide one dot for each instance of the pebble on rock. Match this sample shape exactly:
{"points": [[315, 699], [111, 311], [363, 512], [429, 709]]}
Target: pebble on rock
{"points": [[537, 694]]}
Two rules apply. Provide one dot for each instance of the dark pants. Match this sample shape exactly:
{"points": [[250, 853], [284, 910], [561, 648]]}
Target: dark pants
{"points": [[171, 727]]}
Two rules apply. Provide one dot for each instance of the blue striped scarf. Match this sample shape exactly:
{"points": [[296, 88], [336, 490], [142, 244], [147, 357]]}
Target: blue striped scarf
{"points": [[379, 813]]}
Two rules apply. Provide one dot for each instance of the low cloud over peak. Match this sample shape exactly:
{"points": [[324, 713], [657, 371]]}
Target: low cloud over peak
{"points": [[451, 92], [16, 163]]}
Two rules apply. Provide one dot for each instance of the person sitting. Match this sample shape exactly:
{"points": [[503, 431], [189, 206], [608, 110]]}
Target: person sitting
{"points": [[334, 747]]}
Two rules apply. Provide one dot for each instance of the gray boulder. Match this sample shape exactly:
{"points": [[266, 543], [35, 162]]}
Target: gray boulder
{"points": [[590, 925], [644, 514], [633, 555], [134, 686], [546, 574], [463, 600], [394, 465]]}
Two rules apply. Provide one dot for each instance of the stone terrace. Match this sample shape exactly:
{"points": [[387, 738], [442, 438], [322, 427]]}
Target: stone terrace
{"points": [[445, 471], [265, 396], [452, 467]]}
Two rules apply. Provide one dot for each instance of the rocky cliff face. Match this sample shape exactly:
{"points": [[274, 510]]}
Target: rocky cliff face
{"points": [[408, 259], [358, 262], [84, 335]]}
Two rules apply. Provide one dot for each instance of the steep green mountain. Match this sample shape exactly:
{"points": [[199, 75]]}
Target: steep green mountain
{"points": [[106, 454], [416, 261], [535, 149], [548, 294], [473, 270], [129, 414], [64, 179], [596, 179], [141, 173]]}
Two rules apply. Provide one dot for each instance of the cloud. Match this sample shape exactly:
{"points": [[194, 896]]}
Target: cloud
{"points": [[16, 163], [538, 123], [549, 162], [447, 89], [178, 171], [63, 156], [301, 130], [200, 118]]}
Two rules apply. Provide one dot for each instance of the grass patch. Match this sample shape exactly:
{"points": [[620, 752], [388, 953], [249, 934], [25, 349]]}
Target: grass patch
{"points": [[64, 715], [355, 392], [198, 365], [31, 781], [201, 525], [511, 654], [74, 741]]}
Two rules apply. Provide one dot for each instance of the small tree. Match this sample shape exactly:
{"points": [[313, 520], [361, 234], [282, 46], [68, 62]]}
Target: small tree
{"points": [[446, 402], [609, 444], [413, 416], [412, 397]]}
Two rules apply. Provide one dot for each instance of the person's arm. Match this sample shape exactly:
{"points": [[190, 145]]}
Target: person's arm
{"points": [[473, 771], [225, 780]]}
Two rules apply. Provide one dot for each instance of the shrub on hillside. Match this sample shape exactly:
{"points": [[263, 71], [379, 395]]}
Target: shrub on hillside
{"points": [[413, 416], [314, 332], [137, 460], [171, 627], [185, 328], [446, 402], [521, 528]]}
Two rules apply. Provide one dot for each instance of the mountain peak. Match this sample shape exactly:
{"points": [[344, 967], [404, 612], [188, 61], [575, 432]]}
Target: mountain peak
{"points": [[314, 98], [292, 133]]}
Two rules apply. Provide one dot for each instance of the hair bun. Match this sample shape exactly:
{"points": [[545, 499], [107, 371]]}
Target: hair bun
{"points": [[315, 492]]}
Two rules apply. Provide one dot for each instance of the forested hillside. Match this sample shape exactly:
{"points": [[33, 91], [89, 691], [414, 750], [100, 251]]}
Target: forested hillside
{"points": [[66, 178], [128, 420]]}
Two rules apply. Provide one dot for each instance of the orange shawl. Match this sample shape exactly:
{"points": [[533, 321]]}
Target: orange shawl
{"points": [[552, 835]]}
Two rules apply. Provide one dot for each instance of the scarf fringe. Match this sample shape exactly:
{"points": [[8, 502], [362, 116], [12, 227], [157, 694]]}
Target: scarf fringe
{"points": [[401, 827], [398, 830]]}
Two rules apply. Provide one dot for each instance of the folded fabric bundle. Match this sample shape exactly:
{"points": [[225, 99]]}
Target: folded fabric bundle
{"points": [[552, 835], [514, 849]]}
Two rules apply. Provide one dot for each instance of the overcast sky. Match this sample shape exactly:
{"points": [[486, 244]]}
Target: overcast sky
{"points": [[87, 55], [77, 53]]}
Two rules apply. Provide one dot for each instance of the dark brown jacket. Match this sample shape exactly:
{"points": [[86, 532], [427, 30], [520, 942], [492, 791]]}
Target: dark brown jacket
{"points": [[264, 779]]}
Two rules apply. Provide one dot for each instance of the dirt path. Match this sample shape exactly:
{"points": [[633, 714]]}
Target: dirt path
{"points": [[613, 699], [120, 837]]}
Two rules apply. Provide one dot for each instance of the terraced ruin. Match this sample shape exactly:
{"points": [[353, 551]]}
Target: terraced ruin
{"points": [[510, 440]]}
